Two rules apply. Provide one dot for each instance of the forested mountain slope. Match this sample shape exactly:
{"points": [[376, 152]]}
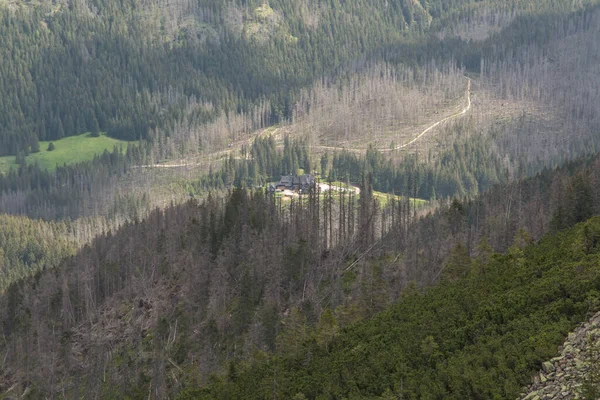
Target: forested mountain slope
{"points": [[132, 67], [478, 337], [511, 131], [215, 296], [161, 304], [28, 246], [137, 69]]}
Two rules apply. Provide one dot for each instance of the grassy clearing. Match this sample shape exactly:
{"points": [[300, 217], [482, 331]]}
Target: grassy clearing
{"points": [[69, 150], [384, 198]]}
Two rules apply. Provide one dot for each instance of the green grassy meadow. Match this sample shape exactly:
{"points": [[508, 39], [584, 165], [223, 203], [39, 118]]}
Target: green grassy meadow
{"points": [[69, 150], [384, 198]]}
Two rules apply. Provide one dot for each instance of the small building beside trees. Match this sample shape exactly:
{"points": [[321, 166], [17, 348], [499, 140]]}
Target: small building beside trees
{"points": [[296, 183]]}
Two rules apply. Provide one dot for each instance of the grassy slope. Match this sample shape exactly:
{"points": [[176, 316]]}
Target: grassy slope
{"points": [[69, 150], [476, 337]]}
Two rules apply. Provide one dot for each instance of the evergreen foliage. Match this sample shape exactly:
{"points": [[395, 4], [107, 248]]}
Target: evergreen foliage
{"points": [[243, 295], [245, 286], [480, 336], [132, 69], [105, 66], [28, 246]]}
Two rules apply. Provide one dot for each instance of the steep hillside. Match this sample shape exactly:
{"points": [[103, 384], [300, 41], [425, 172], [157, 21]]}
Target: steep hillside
{"points": [[384, 98], [161, 305], [28, 246], [203, 285], [477, 337]]}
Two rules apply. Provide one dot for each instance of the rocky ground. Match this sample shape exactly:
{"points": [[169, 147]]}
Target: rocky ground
{"points": [[563, 377]]}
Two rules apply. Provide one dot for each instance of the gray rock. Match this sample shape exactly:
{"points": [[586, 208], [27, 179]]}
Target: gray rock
{"points": [[531, 396], [561, 377], [548, 367]]}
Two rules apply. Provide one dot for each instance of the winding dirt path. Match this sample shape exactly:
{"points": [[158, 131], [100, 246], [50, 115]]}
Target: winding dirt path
{"points": [[458, 114], [420, 135], [330, 148]]}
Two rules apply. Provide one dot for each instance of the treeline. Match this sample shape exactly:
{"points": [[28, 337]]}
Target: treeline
{"points": [[159, 305]]}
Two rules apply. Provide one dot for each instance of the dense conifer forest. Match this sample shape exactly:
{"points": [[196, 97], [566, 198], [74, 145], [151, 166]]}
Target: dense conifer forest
{"points": [[162, 67], [162, 304], [479, 336], [447, 247], [228, 56]]}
